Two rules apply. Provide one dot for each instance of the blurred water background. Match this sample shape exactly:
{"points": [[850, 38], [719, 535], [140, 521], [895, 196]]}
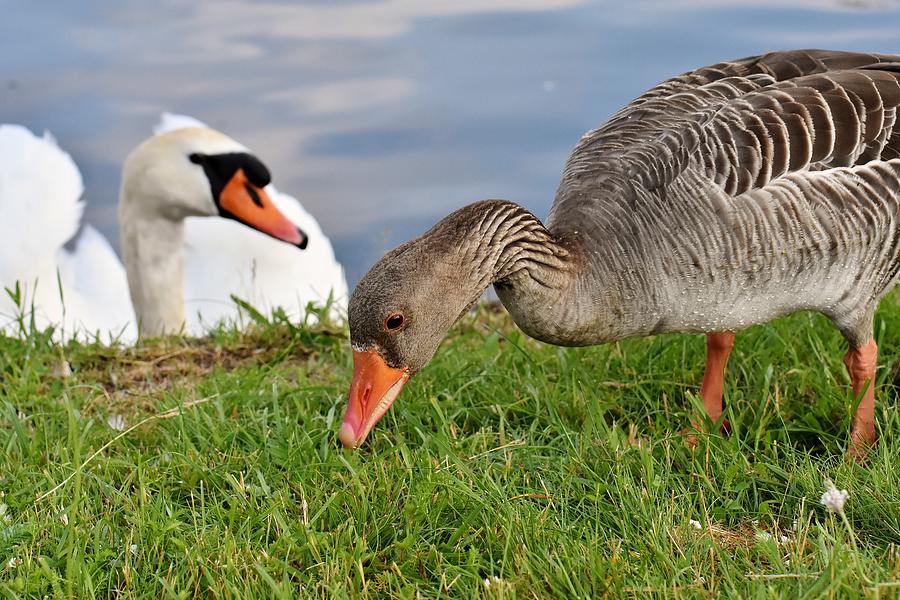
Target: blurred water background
{"points": [[381, 115]]}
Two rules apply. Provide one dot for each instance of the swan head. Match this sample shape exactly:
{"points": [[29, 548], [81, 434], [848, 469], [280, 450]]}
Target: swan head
{"points": [[197, 172]]}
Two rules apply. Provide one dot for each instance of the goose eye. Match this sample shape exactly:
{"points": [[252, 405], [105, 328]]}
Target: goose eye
{"points": [[393, 322]]}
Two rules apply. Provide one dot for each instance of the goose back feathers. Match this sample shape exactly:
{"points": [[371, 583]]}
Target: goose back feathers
{"points": [[744, 191]]}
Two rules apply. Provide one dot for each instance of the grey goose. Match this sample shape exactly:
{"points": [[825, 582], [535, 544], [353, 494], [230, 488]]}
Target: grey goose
{"points": [[724, 197]]}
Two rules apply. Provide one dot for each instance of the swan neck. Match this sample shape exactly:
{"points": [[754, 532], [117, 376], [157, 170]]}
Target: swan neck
{"points": [[152, 253]]}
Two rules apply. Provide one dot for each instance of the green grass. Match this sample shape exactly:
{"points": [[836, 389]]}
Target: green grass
{"points": [[559, 472]]}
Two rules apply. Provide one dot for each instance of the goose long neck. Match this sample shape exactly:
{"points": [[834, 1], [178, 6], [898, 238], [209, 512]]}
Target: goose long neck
{"points": [[509, 244], [151, 249], [532, 270]]}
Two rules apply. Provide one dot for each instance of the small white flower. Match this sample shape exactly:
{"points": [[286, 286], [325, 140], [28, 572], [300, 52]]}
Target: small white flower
{"points": [[701, 579], [695, 524], [833, 499], [62, 369], [133, 549], [4, 513], [116, 422], [14, 562], [64, 518], [487, 582], [784, 539], [763, 536]]}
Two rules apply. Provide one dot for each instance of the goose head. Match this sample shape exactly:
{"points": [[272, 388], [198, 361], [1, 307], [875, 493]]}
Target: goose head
{"points": [[196, 172], [402, 309], [397, 321]]}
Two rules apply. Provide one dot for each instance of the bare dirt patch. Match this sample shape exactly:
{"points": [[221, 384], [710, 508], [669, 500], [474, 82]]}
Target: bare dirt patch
{"points": [[130, 381]]}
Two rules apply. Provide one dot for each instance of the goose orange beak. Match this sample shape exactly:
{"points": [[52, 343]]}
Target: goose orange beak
{"points": [[251, 205], [374, 388]]}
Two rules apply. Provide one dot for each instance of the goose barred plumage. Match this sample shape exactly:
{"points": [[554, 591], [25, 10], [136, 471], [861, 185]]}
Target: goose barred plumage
{"points": [[721, 198]]}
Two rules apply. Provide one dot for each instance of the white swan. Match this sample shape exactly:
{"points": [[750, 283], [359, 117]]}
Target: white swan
{"points": [[165, 180]]}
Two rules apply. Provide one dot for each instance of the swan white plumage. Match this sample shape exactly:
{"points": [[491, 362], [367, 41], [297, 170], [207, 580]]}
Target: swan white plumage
{"points": [[221, 257], [40, 191]]}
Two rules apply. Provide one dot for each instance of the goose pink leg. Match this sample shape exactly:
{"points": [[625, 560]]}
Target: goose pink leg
{"points": [[718, 349], [861, 365]]}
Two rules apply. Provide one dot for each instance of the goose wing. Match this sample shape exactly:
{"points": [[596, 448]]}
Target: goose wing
{"points": [[778, 65], [741, 124]]}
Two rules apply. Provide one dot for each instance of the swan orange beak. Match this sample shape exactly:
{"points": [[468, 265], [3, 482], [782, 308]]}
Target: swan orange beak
{"points": [[242, 201], [374, 388]]}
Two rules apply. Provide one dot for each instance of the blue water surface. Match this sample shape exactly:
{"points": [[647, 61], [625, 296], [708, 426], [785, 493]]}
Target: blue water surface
{"points": [[381, 116]]}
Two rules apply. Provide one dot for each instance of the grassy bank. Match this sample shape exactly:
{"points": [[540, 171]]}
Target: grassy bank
{"points": [[506, 469]]}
